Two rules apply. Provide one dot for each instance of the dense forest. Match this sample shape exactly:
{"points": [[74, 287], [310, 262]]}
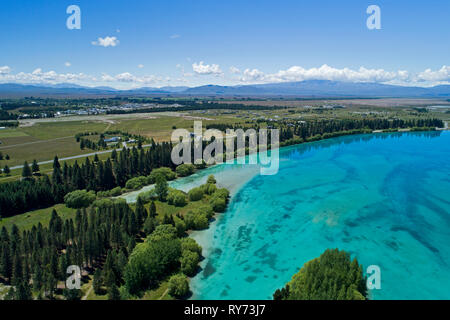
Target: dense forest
{"points": [[5, 115], [33, 193], [9, 123], [119, 246], [332, 276]]}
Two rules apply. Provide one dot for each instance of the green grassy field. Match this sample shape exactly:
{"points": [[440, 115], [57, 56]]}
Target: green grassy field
{"points": [[48, 167], [160, 293], [43, 140], [29, 219]]}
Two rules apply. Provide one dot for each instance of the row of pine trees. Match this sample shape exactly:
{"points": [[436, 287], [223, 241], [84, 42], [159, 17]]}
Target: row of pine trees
{"points": [[35, 193], [99, 240]]}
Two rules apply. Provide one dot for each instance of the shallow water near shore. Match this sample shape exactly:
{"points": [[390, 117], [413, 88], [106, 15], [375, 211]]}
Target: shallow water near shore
{"points": [[382, 197]]}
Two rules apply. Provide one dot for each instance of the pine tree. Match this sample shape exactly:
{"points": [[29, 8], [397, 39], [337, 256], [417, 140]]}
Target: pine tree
{"points": [[26, 171], [6, 170], [108, 176], [113, 293], [37, 278], [149, 225], [23, 291], [49, 284], [56, 164], [17, 272], [161, 187], [132, 225], [152, 213], [5, 263], [114, 155], [97, 282], [35, 166]]}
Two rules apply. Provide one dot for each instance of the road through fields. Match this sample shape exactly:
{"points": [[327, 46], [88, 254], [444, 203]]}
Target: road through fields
{"points": [[77, 156]]}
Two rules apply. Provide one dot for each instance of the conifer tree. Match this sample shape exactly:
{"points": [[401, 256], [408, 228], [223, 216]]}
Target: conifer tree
{"points": [[97, 282], [26, 171], [35, 166], [113, 292], [152, 212]]}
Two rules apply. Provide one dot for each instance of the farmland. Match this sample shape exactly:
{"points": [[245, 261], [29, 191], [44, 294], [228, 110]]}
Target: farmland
{"points": [[42, 139]]}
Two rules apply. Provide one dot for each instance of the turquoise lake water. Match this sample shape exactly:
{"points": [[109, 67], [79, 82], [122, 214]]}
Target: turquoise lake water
{"points": [[385, 198]]}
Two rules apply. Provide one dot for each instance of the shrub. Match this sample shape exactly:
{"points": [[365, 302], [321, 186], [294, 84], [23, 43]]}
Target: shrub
{"points": [[200, 222], [163, 232], [148, 196], [195, 194], [189, 244], [79, 199], [180, 225], [185, 169], [198, 219], [111, 193], [176, 198], [150, 262], [117, 191], [218, 204], [137, 183], [223, 193], [219, 200], [211, 179], [189, 262], [207, 210], [166, 172], [178, 285], [209, 188]]}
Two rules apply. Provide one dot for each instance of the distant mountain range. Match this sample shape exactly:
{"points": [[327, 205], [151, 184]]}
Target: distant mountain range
{"points": [[309, 88]]}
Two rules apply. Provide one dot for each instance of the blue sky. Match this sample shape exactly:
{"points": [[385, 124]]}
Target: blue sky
{"points": [[157, 43]]}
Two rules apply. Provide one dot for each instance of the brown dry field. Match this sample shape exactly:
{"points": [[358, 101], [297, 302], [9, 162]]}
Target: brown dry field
{"points": [[391, 102]]}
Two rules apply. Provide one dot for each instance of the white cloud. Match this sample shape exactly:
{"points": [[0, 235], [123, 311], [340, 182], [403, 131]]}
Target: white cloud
{"points": [[140, 66], [427, 77], [325, 72], [106, 42], [5, 70], [39, 76], [205, 69], [127, 77], [67, 64], [175, 36], [234, 70], [107, 78], [442, 74], [253, 75]]}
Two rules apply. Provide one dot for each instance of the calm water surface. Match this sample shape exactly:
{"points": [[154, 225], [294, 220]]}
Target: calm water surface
{"points": [[385, 198]]}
